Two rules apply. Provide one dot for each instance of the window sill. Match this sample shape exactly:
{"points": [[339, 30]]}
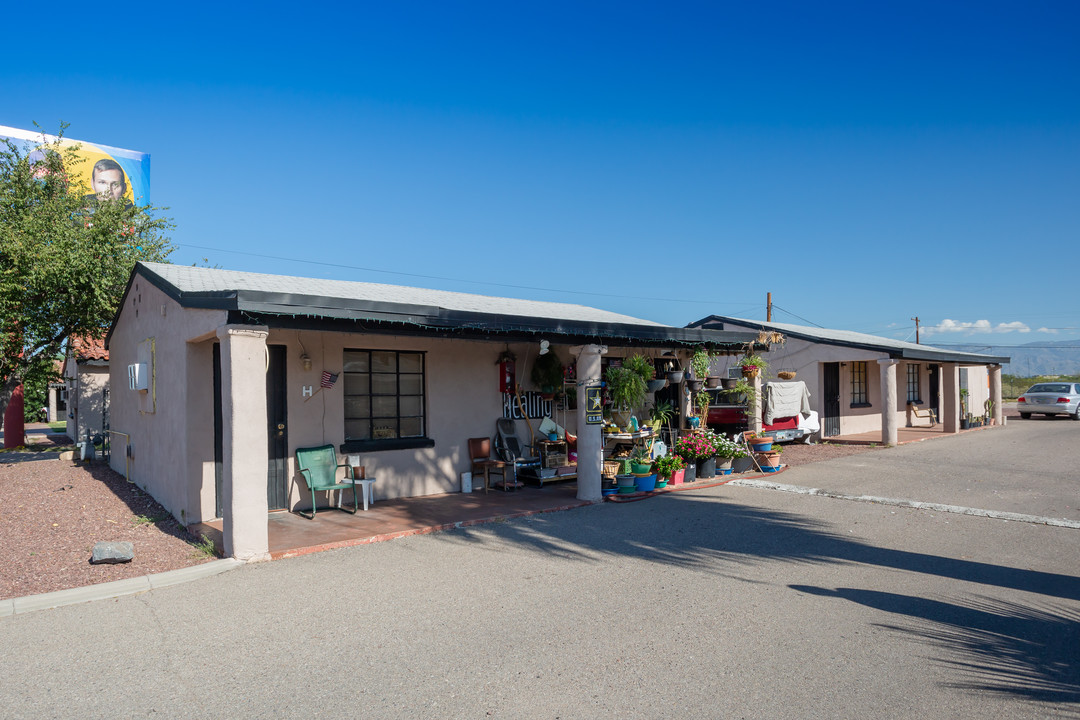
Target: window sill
{"points": [[861, 405], [360, 446]]}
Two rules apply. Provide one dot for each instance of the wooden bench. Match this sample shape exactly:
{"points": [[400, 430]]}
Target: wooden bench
{"points": [[927, 413]]}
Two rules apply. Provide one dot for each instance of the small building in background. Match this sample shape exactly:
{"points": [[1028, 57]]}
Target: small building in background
{"points": [[86, 372]]}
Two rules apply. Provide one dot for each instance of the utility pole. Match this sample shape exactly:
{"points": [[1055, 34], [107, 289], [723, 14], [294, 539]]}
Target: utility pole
{"points": [[916, 319], [768, 307]]}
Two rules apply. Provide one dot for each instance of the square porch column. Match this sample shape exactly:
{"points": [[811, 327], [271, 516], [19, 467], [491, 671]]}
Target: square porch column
{"points": [[995, 393], [244, 442], [950, 397], [889, 422], [590, 441]]}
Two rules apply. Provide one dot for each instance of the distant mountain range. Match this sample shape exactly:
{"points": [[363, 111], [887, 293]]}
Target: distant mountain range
{"points": [[1038, 358]]}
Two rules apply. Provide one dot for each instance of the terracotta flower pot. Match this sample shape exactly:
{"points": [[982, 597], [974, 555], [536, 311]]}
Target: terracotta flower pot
{"points": [[768, 459]]}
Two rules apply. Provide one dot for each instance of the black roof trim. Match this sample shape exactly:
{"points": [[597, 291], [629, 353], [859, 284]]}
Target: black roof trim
{"points": [[716, 322]]}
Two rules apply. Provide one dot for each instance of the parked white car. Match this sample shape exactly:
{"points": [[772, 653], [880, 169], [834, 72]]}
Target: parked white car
{"points": [[1050, 398]]}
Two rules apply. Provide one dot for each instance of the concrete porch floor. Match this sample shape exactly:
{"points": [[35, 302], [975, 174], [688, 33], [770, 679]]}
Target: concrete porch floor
{"points": [[291, 534], [904, 435]]}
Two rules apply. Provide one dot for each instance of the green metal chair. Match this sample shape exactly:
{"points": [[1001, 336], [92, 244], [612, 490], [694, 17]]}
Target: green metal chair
{"points": [[319, 467]]}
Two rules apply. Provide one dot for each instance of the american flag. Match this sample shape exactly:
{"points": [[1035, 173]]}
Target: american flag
{"points": [[328, 379]]}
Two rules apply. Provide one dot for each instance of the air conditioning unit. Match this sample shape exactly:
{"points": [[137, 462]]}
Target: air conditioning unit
{"points": [[137, 376]]}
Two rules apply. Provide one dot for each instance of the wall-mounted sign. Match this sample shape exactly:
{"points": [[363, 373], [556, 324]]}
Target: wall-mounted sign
{"points": [[594, 410], [534, 404]]}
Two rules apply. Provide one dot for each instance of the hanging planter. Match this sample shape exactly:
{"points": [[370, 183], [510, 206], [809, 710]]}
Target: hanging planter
{"points": [[694, 385], [786, 374], [750, 371], [728, 383], [675, 376], [657, 385], [712, 381]]}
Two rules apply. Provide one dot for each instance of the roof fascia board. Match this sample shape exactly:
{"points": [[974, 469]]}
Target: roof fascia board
{"points": [[899, 353]]}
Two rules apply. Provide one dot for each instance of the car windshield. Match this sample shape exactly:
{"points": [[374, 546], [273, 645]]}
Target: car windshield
{"points": [[1050, 388]]}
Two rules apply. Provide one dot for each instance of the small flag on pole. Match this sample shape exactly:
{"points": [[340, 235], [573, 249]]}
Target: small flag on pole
{"points": [[328, 379]]}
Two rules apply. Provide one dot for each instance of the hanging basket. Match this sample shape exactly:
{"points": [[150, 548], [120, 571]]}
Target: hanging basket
{"points": [[750, 371], [694, 385], [712, 381], [786, 374], [657, 385], [675, 376]]}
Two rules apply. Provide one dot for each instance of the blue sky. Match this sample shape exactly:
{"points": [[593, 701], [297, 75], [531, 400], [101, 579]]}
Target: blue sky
{"points": [[864, 162]]}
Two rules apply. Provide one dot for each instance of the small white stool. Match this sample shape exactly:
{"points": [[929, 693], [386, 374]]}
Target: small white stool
{"points": [[364, 482]]}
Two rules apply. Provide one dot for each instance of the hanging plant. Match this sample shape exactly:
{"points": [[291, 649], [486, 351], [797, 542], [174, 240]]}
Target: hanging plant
{"points": [[547, 373]]}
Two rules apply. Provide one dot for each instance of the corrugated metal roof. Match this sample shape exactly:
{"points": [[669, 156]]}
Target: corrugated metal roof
{"points": [[189, 279], [899, 348]]}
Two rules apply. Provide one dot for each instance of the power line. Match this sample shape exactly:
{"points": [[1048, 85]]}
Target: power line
{"points": [[798, 316], [339, 265]]}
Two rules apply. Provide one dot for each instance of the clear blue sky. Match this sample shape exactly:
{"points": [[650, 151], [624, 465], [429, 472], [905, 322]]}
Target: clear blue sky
{"points": [[864, 162]]}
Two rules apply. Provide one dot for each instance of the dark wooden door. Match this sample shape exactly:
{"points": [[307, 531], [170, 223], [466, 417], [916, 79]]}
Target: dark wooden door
{"points": [[219, 434], [277, 480], [934, 375], [830, 420]]}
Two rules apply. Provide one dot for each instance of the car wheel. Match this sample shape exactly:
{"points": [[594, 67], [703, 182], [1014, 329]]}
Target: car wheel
{"points": [[1025, 416], [1076, 415]]}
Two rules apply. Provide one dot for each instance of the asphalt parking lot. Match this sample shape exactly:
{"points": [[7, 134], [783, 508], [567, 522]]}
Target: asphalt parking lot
{"points": [[731, 602]]}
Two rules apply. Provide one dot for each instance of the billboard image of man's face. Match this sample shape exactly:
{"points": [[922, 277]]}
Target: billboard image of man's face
{"points": [[106, 173]]}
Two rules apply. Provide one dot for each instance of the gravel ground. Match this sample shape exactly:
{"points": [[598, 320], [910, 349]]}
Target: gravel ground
{"points": [[56, 511]]}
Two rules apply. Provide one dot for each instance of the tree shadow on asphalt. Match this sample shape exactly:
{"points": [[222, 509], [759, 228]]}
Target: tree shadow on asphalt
{"points": [[1008, 648], [997, 646]]}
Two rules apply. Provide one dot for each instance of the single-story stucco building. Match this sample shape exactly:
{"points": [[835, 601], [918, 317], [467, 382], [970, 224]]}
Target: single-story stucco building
{"points": [[219, 376], [86, 374], [862, 383]]}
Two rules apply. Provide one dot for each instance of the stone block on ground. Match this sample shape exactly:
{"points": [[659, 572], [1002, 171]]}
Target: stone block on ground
{"points": [[112, 553]]}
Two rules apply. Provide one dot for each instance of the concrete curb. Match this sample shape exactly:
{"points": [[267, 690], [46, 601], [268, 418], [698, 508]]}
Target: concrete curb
{"points": [[913, 504], [117, 588]]}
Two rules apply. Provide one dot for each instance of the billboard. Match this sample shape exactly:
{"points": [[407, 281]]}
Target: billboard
{"points": [[104, 170]]}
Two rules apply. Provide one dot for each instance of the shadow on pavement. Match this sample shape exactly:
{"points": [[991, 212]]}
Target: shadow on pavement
{"points": [[997, 646]]}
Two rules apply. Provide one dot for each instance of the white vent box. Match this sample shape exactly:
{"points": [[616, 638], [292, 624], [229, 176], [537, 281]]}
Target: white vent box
{"points": [[137, 376]]}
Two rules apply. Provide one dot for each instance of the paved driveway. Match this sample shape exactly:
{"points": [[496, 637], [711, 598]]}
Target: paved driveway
{"points": [[730, 602], [1029, 467]]}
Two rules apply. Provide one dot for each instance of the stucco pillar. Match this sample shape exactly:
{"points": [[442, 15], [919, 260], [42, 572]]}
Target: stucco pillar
{"points": [[889, 431], [244, 442], [590, 440], [995, 393], [754, 408], [950, 397]]}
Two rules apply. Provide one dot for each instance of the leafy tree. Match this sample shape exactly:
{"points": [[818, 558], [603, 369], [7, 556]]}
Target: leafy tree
{"points": [[64, 260]]}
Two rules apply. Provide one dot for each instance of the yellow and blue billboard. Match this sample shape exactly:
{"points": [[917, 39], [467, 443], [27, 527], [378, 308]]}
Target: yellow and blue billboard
{"points": [[104, 171]]}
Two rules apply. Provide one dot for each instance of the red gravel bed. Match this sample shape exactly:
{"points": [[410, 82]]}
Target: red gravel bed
{"points": [[54, 512]]}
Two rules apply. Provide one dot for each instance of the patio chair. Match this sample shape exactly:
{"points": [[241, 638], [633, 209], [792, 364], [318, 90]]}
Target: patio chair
{"points": [[482, 462], [509, 447], [927, 414], [319, 467]]}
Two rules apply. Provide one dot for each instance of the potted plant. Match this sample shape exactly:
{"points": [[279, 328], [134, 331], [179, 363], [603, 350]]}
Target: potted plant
{"points": [[727, 451], [667, 466], [627, 390], [752, 365], [742, 392], [661, 414], [699, 366], [698, 447], [770, 460], [640, 461], [547, 374]]}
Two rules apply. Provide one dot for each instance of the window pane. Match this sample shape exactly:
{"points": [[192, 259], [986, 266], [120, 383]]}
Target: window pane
{"points": [[384, 362], [357, 384], [412, 427], [356, 361], [412, 406], [384, 407], [385, 430], [382, 384], [357, 430], [357, 407], [412, 384], [410, 363]]}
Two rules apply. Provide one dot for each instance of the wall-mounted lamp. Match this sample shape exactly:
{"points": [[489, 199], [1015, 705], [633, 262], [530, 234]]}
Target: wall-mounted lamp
{"points": [[305, 361]]}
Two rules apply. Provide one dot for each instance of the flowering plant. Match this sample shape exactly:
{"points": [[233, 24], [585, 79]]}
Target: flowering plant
{"points": [[696, 445], [669, 464], [728, 448]]}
